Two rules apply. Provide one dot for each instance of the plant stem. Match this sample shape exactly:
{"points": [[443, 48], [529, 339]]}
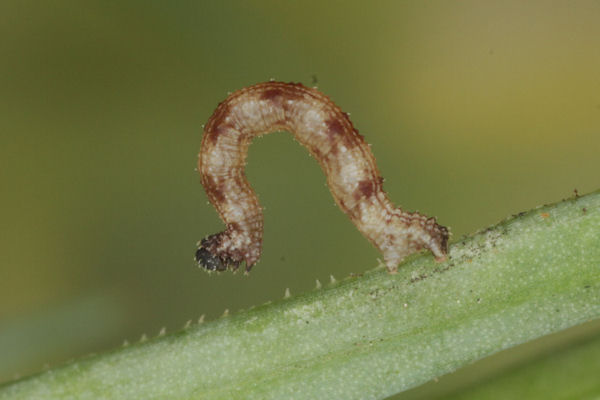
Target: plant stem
{"points": [[370, 336], [568, 372]]}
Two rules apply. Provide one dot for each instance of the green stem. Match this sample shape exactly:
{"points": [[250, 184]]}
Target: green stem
{"points": [[370, 336], [567, 372]]}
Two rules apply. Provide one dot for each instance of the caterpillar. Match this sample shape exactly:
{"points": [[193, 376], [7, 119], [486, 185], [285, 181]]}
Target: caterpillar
{"points": [[346, 159]]}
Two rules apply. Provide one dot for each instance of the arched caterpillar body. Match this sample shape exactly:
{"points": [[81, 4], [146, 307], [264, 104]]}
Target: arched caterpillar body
{"points": [[352, 175]]}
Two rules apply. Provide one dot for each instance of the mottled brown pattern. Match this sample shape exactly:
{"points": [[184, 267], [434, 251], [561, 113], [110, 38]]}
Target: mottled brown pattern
{"points": [[327, 132], [365, 189]]}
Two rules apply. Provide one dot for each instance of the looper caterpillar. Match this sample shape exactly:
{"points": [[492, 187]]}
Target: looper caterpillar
{"points": [[352, 175]]}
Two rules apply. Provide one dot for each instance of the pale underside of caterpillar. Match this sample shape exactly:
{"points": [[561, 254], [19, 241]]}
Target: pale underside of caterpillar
{"points": [[349, 165]]}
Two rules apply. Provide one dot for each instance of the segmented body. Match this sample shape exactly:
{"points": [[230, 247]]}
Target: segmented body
{"points": [[349, 165]]}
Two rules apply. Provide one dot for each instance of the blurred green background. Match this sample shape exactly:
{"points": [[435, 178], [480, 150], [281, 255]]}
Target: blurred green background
{"points": [[475, 110]]}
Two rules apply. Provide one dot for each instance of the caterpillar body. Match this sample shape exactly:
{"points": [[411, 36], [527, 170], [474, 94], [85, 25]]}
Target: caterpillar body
{"points": [[346, 159]]}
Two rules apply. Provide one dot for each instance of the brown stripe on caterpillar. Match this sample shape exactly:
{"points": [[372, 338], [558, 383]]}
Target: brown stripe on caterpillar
{"points": [[349, 165]]}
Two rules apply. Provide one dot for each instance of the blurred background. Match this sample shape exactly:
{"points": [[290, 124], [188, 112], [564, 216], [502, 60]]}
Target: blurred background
{"points": [[475, 111]]}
